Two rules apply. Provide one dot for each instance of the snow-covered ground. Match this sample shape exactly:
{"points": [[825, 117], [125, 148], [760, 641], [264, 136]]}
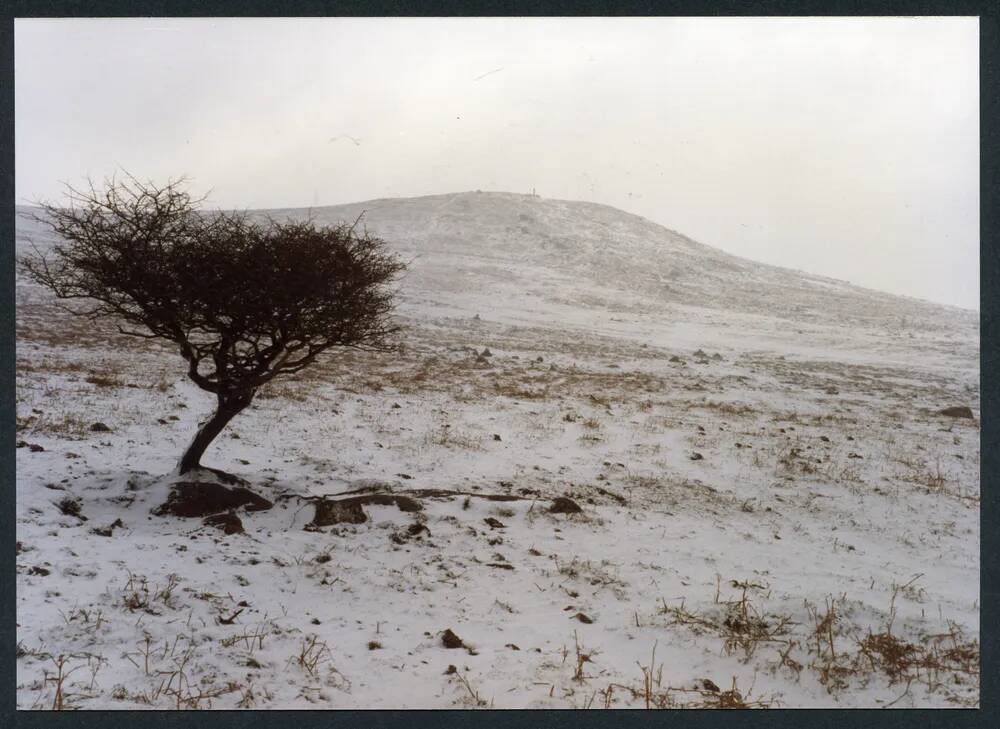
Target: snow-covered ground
{"points": [[774, 511]]}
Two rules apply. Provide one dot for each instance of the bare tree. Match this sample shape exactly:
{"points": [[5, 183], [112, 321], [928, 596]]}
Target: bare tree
{"points": [[244, 301]]}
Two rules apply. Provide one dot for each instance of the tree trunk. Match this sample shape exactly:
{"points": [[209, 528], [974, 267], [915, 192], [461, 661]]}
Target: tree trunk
{"points": [[229, 406]]}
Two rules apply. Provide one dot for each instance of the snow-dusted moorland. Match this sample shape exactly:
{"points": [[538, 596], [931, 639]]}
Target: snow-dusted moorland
{"points": [[774, 511]]}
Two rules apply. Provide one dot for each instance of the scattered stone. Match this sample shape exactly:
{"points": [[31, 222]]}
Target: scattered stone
{"points": [[451, 640], [336, 512], [854, 455], [71, 507], [583, 618], [451, 668], [396, 406], [563, 505], [100, 428], [349, 511], [35, 448], [486, 352], [416, 529], [501, 565], [253, 663], [697, 456], [709, 686], [40, 571], [512, 647], [21, 444], [958, 412], [494, 523], [676, 360], [108, 530], [496, 436], [824, 439], [194, 499], [374, 645], [228, 522]]}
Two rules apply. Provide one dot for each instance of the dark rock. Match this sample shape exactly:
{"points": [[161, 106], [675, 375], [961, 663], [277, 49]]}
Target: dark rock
{"points": [[349, 511], [40, 571], [451, 640], [496, 436], [494, 523], [70, 507], [708, 685], [451, 668], [415, 529], [960, 411], [583, 618], [697, 456], [193, 499], [108, 530], [35, 448], [21, 444], [219, 475], [228, 522], [330, 512], [100, 428], [563, 505]]}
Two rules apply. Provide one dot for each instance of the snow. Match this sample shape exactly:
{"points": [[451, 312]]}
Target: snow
{"points": [[826, 479]]}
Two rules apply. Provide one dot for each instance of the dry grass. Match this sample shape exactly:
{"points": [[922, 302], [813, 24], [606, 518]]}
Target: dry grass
{"points": [[654, 694], [740, 625]]}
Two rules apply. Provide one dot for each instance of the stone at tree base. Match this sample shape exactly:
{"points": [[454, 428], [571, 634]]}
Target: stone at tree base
{"points": [[228, 522], [193, 499]]}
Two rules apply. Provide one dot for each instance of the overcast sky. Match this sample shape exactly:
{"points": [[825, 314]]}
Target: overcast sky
{"points": [[844, 147]]}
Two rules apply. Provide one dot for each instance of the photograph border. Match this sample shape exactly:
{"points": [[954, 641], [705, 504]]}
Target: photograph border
{"points": [[986, 716]]}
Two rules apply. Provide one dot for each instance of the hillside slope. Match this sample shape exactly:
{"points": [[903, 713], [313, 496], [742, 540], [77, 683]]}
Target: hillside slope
{"points": [[488, 234]]}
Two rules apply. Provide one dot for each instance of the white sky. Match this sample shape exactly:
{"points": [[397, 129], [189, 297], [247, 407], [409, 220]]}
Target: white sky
{"points": [[845, 147]]}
